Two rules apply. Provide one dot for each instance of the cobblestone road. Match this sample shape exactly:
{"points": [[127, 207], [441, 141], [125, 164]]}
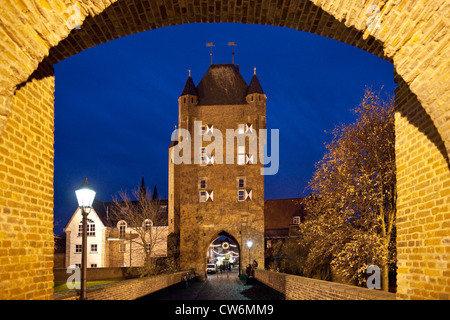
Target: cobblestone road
{"points": [[226, 286]]}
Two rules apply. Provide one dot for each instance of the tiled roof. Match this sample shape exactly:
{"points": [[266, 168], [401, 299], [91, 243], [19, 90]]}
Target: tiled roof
{"points": [[222, 84], [278, 214]]}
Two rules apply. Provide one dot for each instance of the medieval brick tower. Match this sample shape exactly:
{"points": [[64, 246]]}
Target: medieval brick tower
{"points": [[218, 188]]}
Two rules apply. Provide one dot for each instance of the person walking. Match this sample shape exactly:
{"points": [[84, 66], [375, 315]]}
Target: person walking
{"points": [[254, 267], [248, 271]]}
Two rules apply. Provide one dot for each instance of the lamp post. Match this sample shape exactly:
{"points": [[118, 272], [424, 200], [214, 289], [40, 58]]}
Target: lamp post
{"points": [[85, 197], [249, 245]]}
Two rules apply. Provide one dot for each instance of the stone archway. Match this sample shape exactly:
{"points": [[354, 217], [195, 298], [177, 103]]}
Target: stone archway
{"points": [[233, 240], [414, 36]]}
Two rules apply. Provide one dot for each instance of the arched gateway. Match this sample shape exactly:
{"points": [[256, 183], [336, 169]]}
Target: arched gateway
{"points": [[414, 35], [224, 249]]}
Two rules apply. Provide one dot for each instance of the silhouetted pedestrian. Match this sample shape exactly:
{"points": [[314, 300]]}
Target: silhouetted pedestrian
{"points": [[248, 271], [254, 267]]}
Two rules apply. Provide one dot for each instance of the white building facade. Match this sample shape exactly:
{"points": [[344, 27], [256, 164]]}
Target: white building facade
{"points": [[96, 238], [113, 244]]}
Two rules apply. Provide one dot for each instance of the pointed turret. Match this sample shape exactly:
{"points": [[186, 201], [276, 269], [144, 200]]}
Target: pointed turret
{"points": [[187, 100], [189, 87], [142, 191], [255, 93], [254, 86], [155, 194]]}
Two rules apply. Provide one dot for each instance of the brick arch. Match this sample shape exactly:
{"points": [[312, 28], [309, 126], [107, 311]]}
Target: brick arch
{"points": [[224, 234], [229, 235], [414, 36]]}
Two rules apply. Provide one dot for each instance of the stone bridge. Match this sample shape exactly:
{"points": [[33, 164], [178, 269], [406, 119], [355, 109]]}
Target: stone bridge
{"points": [[413, 35]]}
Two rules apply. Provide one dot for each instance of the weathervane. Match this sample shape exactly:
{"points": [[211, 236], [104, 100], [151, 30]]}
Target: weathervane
{"points": [[232, 44], [211, 45]]}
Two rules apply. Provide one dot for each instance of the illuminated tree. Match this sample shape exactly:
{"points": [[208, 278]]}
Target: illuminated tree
{"points": [[351, 211]]}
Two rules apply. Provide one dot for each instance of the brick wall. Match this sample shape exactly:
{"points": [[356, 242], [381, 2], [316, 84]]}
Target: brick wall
{"points": [[423, 202], [127, 289], [301, 288], [26, 192]]}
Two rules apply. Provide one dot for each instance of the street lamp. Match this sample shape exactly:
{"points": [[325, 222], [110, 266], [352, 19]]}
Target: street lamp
{"points": [[85, 197], [249, 245]]}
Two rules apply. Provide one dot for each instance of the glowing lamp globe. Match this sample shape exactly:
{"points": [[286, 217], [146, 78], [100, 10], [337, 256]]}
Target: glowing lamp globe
{"points": [[85, 195], [249, 243]]}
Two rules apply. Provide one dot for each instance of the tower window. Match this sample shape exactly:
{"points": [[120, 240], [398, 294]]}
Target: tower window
{"points": [[296, 220], [241, 155], [245, 195], [202, 197], [241, 129], [202, 184], [203, 158], [241, 183], [206, 195]]}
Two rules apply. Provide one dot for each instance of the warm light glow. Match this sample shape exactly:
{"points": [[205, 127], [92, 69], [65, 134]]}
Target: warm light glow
{"points": [[249, 243]]}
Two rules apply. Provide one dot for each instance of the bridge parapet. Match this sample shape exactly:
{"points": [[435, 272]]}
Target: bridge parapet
{"points": [[302, 288], [130, 289]]}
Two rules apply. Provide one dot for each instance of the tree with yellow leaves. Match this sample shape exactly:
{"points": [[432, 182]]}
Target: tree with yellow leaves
{"points": [[351, 210]]}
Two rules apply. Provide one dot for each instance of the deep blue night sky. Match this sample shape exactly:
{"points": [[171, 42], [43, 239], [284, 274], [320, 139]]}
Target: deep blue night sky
{"points": [[116, 104]]}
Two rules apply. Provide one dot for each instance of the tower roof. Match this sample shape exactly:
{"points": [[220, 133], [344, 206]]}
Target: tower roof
{"points": [[222, 84], [142, 189], [255, 86], [155, 194], [189, 87]]}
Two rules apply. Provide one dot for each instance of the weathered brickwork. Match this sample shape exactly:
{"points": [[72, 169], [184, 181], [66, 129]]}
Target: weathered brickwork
{"points": [[26, 193], [301, 288], [414, 35], [423, 203]]}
